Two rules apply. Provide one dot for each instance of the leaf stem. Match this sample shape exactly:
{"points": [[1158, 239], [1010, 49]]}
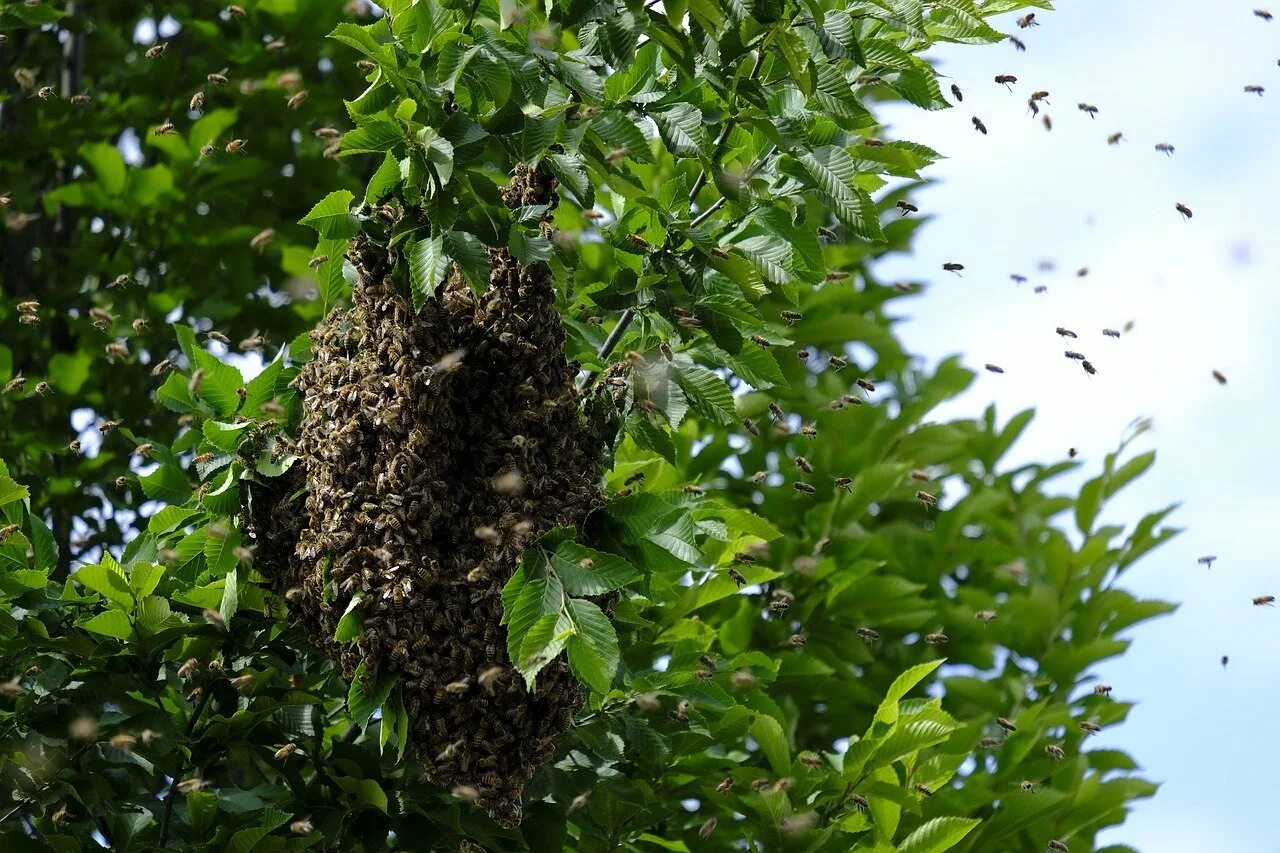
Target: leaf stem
{"points": [[166, 820]]}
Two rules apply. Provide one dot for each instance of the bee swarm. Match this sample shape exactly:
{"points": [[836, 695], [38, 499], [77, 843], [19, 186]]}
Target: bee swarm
{"points": [[420, 429]]}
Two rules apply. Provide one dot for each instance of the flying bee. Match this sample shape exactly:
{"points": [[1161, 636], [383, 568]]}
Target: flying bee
{"points": [[694, 491], [937, 639], [1207, 561], [994, 368], [809, 432], [107, 426], [776, 412], [197, 102], [1111, 333], [215, 335], [1054, 751], [1254, 90], [955, 90], [1033, 108], [750, 426], [758, 477], [866, 385], [804, 465], [1027, 786], [1165, 148], [1059, 846], [1006, 724], [927, 499], [802, 354], [761, 341], [738, 578], [196, 380], [726, 784], [326, 133], [666, 352], [236, 146], [1264, 601], [872, 142], [261, 240], [986, 617], [1225, 660], [953, 267], [1089, 728], [121, 482], [1115, 139], [15, 384], [234, 11], [637, 477], [1074, 355], [165, 128], [1017, 278], [29, 319], [28, 307], [1089, 368], [851, 400], [101, 318], [837, 275], [805, 488], [276, 45], [157, 51], [1184, 210], [7, 531], [796, 640], [989, 742], [1048, 122], [1102, 690], [870, 636], [1027, 20], [144, 450], [1082, 272], [81, 100], [139, 325], [907, 207], [1220, 377], [283, 753], [844, 484], [1087, 108], [1263, 14], [162, 367], [1018, 43], [44, 93], [979, 126], [1040, 96], [41, 389], [207, 150], [1065, 332], [365, 65], [923, 789], [837, 363], [297, 99], [1005, 80], [188, 669]]}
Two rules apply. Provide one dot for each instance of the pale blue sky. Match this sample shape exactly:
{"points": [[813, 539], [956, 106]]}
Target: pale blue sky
{"points": [[1203, 295]]}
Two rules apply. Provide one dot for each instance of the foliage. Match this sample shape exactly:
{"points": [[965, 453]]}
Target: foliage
{"points": [[764, 662]]}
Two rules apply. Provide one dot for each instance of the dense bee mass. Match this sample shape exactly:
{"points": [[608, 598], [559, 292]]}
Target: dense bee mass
{"points": [[434, 447]]}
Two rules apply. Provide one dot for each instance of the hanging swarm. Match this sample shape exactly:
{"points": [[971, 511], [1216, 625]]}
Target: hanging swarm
{"points": [[434, 447]]}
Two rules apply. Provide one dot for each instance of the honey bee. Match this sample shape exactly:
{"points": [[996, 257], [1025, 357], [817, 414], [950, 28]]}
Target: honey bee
{"points": [[121, 482], [844, 484], [726, 784], [1088, 367], [29, 307], [989, 742], [1055, 751], [979, 126], [74, 447], [1254, 89], [466, 794], [993, 368], [837, 275], [236, 146], [81, 100], [907, 207], [738, 578], [1027, 786], [165, 128], [1048, 125], [195, 783], [44, 93], [15, 384], [7, 531], [1082, 272], [1018, 43], [302, 826], [188, 669], [276, 45], [986, 617], [1059, 846], [809, 431], [1102, 690], [937, 639], [870, 636], [1033, 108], [758, 477], [1115, 139], [1263, 14], [1006, 80], [234, 11], [107, 426], [953, 267], [262, 239], [297, 99], [207, 150], [955, 91], [1184, 210], [804, 465], [694, 491], [365, 65], [760, 341], [144, 450], [750, 426], [1087, 108], [162, 367], [1006, 724], [796, 640], [929, 500], [283, 753], [870, 142], [1220, 377], [1225, 660], [1264, 601], [1017, 278], [1089, 728], [215, 335], [1165, 148], [923, 789], [1207, 561], [327, 133], [776, 412], [1027, 20], [759, 784], [869, 79], [197, 102], [157, 51], [837, 363]]}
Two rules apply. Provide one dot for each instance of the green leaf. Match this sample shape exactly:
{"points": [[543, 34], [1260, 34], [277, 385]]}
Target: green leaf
{"points": [[603, 573], [350, 622], [708, 394], [111, 623], [768, 733], [833, 172], [368, 693], [593, 649], [106, 580], [902, 685], [332, 218], [373, 135], [428, 265], [107, 164], [937, 835], [11, 491]]}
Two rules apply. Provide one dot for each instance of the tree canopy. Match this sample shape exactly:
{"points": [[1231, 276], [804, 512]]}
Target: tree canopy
{"points": [[788, 609]]}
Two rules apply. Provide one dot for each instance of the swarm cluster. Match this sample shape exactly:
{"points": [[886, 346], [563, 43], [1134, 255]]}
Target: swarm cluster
{"points": [[434, 447]]}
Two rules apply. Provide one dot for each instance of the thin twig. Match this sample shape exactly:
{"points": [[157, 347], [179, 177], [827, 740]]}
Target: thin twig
{"points": [[610, 343], [167, 819], [723, 138]]}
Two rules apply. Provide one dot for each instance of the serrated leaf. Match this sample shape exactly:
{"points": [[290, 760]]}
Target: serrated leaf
{"points": [[593, 649], [368, 694], [707, 393], [332, 217], [111, 623], [938, 835], [428, 265], [888, 710], [602, 572]]}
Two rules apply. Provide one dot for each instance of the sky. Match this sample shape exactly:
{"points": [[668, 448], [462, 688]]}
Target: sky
{"points": [[1202, 295]]}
